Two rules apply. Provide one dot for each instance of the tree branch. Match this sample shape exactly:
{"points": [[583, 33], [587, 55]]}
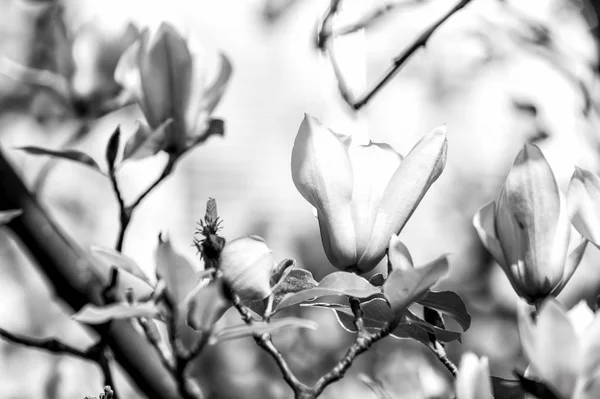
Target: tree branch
{"points": [[69, 269], [401, 59]]}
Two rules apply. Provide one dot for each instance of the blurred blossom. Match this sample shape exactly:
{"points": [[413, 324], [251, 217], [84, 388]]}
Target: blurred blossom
{"points": [[168, 79], [563, 354], [584, 204], [473, 380], [246, 264], [527, 230], [362, 193]]}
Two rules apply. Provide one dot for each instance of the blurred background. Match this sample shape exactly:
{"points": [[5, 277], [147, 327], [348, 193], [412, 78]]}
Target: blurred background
{"points": [[499, 73]]}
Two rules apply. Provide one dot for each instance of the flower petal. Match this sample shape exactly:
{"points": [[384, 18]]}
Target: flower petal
{"points": [[322, 173], [527, 216], [577, 248], [166, 70], [473, 380], [556, 355], [373, 166], [485, 224], [398, 255], [127, 72], [590, 348], [583, 199], [417, 172]]}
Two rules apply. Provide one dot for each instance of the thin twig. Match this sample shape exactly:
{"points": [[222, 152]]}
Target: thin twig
{"points": [[126, 212], [401, 59], [363, 341], [439, 351], [325, 29], [47, 344], [265, 342], [96, 353]]}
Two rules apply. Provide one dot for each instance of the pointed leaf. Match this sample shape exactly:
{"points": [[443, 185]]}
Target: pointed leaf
{"points": [[112, 148], [404, 287], [70, 155], [449, 303], [206, 305], [259, 328], [281, 271], [119, 260], [297, 280], [8, 215], [176, 271], [338, 283], [92, 314]]}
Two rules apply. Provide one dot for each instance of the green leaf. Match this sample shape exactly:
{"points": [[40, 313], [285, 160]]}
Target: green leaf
{"points": [[260, 328], [338, 283], [281, 271], [92, 314], [112, 148], [205, 305], [376, 312], [146, 142], [115, 258], [7, 216], [178, 274], [405, 286], [507, 389], [69, 155], [297, 280], [449, 303]]}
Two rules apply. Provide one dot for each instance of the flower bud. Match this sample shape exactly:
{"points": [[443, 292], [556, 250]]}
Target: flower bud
{"points": [[246, 265]]}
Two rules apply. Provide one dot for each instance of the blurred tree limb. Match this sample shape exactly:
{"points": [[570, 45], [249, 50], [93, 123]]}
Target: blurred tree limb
{"points": [[69, 269]]}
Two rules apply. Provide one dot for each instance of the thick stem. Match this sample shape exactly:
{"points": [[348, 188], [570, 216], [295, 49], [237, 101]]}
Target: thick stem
{"points": [[68, 269]]}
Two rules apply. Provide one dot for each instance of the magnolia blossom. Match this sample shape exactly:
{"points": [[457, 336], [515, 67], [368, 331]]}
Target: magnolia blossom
{"points": [[563, 354], [527, 230], [584, 204], [362, 193], [246, 264], [168, 80], [473, 379]]}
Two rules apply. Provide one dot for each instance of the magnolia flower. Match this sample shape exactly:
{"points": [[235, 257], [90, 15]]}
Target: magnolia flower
{"points": [[563, 358], [362, 193], [473, 379], [583, 199], [246, 264], [168, 80], [527, 230]]}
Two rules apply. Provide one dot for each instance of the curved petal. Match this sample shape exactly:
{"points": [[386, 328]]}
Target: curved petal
{"points": [[473, 379], [485, 224], [583, 199], [127, 72], [590, 348], [166, 70], [557, 352], [527, 216], [373, 166], [322, 173], [398, 255], [417, 172], [577, 248]]}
